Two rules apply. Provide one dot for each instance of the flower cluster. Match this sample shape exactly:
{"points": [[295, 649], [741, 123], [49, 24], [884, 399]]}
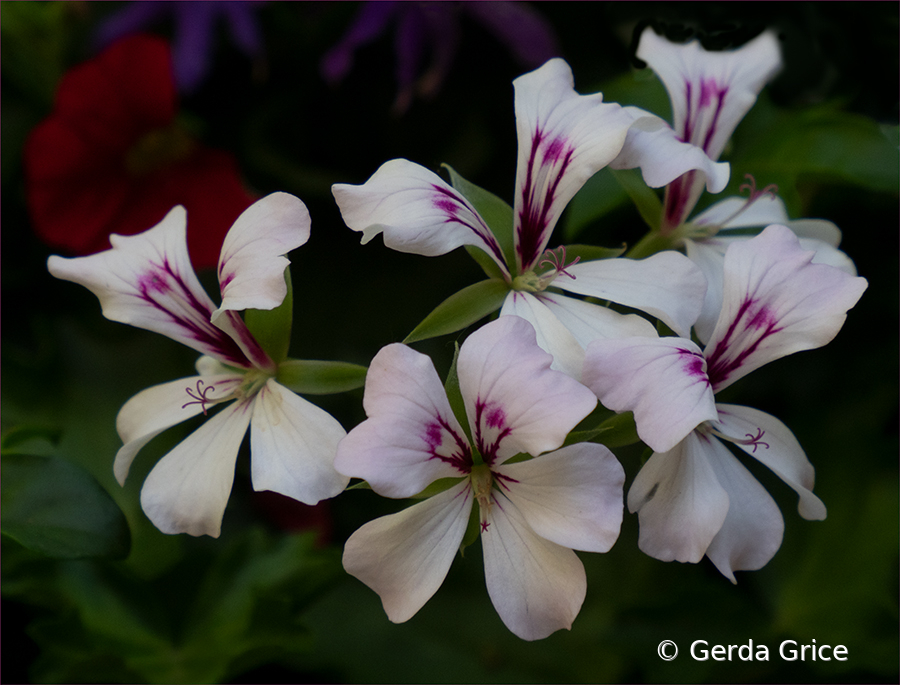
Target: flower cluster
{"points": [[509, 448]]}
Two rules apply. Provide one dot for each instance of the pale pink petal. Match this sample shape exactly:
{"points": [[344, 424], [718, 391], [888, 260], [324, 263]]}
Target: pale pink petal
{"points": [[147, 281], [187, 490], [514, 400], [564, 139], [292, 446], [776, 302], [252, 261], [551, 334], [588, 321], [667, 285], [743, 212], [654, 147], [662, 380], [709, 256], [155, 409], [405, 557], [753, 528], [416, 211], [680, 503], [769, 441], [536, 586], [572, 496], [411, 437]]}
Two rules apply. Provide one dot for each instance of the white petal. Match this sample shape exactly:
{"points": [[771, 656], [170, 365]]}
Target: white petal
{"points": [[536, 586], [777, 448], [292, 446], [564, 139], [147, 281], [709, 256], [411, 437], [405, 557], [662, 380], [667, 285], [252, 261], [572, 496], [680, 503], [742, 212], [551, 334], [416, 211], [155, 409], [753, 528], [775, 302], [588, 321], [662, 157], [186, 492], [514, 400], [710, 91]]}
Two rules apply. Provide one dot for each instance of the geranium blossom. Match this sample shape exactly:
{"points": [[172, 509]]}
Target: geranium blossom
{"points": [[147, 281], [711, 92], [113, 158], [564, 138], [532, 513], [693, 497]]}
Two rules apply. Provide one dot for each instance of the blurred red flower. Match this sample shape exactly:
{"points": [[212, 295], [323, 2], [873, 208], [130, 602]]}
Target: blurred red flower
{"points": [[112, 158]]}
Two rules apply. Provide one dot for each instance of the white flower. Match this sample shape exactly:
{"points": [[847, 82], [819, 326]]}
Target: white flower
{"points": [[147, 281], [533, 513], [693, 497], [564, 138]]}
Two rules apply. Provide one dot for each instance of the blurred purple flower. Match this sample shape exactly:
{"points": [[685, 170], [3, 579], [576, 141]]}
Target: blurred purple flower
{"points": [[194, 31], [436, 26]]}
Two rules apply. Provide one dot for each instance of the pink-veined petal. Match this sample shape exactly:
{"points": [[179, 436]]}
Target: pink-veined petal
{"points": [[654, 147], [667, 285], [536, 586], [292, 446], [773, 444], [155, 409], [572, 496], [775, 302], [411, 437], [680, 503], [252, 261], [514, 401], [662, 380], [551, 334], [187, 490], [147, 281], [416, 211], [710, 91], [564, 139], [753, 529], [405, 557]]}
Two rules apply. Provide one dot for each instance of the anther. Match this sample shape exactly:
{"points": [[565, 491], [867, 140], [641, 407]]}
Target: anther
{"points": [[558, 261], [750, 186]]}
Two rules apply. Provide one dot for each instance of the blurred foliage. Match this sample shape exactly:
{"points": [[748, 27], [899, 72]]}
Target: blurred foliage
{"points": [[262, 604]]}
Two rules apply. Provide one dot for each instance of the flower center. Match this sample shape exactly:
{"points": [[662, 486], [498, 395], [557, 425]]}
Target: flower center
{"points": [[482, 483], [556, 259], [199, 394], [158, 149]]}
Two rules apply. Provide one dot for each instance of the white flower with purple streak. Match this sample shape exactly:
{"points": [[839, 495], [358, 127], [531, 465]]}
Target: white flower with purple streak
{"points": [[564, 138], [532, 513], [147, 281], [693, 496]]}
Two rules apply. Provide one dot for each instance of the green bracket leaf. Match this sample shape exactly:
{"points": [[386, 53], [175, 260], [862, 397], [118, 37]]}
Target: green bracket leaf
{"points": [[497, 214], [645, 199], [54, 507], [272, 327], [315, 377], [461, 309]]}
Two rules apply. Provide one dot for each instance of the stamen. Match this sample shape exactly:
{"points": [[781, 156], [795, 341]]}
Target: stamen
{"points": [[199, 398], [558, 261], [750, 186], [750, 439]]}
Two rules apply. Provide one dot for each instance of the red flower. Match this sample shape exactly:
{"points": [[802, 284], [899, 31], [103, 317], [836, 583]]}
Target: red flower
{"points": [[113, 159]]}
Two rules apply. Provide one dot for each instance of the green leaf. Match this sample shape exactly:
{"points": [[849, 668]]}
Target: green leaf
{"points": [[54, 507], [645, 199], [454, 395], [272, 327], [588, 253], [315, 377], [598, 197], [617, 431], [497, 214], [461, 309]]}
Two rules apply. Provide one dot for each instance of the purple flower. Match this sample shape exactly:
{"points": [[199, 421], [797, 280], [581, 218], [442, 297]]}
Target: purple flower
{"points": [[193, 32], [526, 34]]}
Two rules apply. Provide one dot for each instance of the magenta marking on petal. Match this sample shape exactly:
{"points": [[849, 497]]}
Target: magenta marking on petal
{"points": [[756, 325], [554, 151], [450, 205], [153, 281], [496, 417], [694, 365], [490, 417], [461, 458]]}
